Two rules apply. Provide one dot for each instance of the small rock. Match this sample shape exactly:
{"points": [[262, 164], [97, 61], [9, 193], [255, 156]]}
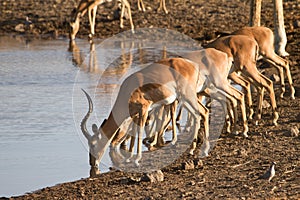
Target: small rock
{"points": [[294, 131], [242, 152], [297, 24], [20, 28], [192, 183], [153, 177], [265, 104], [188, 165], [275, 78]]}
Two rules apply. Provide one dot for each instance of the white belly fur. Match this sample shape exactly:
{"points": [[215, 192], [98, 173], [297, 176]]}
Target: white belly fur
{"points": [[165, 101]]}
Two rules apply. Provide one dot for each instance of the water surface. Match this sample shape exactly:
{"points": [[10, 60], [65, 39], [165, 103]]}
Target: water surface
{"points": [[39, 145]]}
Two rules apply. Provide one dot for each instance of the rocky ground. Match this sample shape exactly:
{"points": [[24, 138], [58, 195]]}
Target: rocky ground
{"points": [[233, 166]]}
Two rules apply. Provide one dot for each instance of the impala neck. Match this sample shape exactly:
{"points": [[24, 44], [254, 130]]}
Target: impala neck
{"points": [[109, 128]]}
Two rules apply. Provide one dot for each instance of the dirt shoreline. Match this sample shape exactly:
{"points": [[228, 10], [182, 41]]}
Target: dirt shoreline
{"points": [[234, 164]]}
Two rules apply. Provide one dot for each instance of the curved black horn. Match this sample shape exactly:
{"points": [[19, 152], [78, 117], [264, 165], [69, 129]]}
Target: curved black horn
{"points": [[86, 117]]}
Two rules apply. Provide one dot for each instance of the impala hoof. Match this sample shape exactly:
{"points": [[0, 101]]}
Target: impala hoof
{"points": [[245, 135], [281, 95], [174, 142], [276, 116], [235, 133], [191, 152], [251, 113], [137, 164], [292, 93]]}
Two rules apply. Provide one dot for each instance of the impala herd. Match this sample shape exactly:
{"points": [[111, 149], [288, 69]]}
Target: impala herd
{"points": [[152, 94]]}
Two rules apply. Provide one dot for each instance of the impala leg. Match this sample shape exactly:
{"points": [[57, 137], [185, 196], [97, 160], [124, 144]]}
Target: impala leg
{"points": [[158, 126], [141, 6], [232, 101], [240, 97], [164, 6], [237, 96], [281, 64], [195, 134], [246, 86], [205, 115], [229, 115], [122, 14], [173, 118], [126, 3], [281, 76], [179, 115], [225, 103], [260, 99], [92, 18], [233, 112], [142, 122], [132, 141], [262, 81], [191, 103], [160, 6], [288, 73], [74, 27]]}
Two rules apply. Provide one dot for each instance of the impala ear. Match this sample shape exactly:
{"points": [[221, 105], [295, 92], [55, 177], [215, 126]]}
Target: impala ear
{"points": [[95, 129]]}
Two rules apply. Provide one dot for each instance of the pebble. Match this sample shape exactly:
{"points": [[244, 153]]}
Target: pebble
{"points": [[265, 104], [188, 165], [153, 177], [294, 131], [20, 28], [297, 24]]}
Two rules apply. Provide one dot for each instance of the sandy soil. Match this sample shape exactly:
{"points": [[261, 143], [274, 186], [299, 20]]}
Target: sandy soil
{"points": [[235, 163]]}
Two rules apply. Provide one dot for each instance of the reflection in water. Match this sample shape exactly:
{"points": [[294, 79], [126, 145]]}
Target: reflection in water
{"points": [[78, 57]]}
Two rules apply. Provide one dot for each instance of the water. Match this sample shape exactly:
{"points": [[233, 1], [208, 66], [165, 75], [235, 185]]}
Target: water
{"points": [[42, 105], [39, 145]]}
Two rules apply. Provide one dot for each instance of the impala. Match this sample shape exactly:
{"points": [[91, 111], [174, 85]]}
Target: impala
{"points": [[158, 84], [91, 6], [265, 40], [244, 52]]}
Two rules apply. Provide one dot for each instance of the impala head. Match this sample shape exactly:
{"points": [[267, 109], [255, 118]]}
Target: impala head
{"points": [[94, 139]]}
